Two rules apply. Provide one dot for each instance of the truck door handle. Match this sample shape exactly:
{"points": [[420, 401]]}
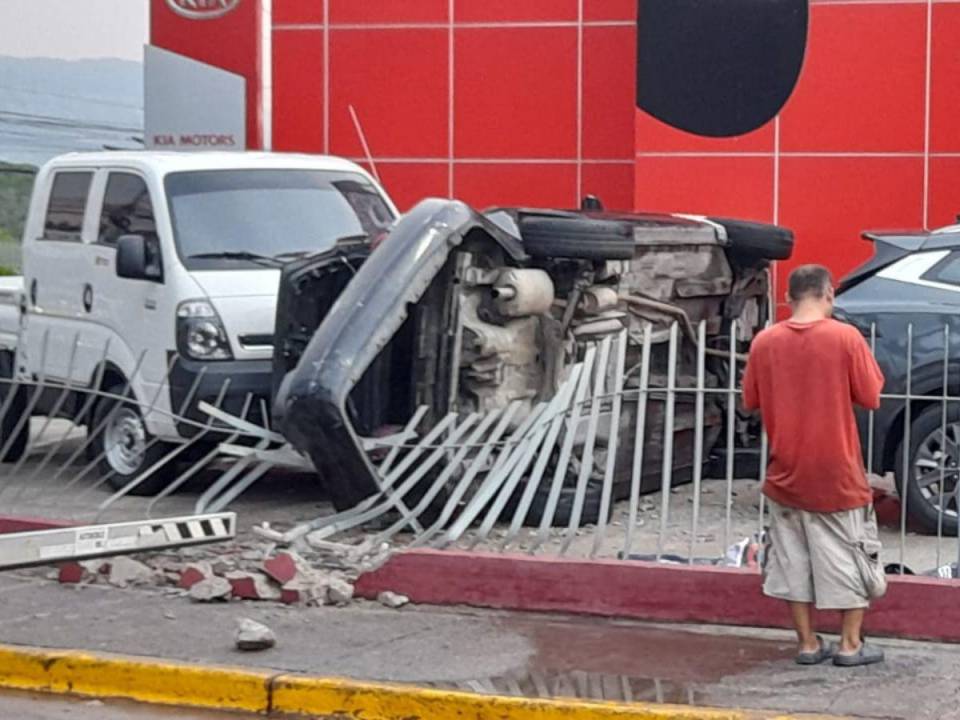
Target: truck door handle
{"points": [[87, 297]]}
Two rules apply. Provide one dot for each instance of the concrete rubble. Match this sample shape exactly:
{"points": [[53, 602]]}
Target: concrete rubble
{"points": [[311, 571], [252, 635], [215, 588], [126, 571], [392, 600]]}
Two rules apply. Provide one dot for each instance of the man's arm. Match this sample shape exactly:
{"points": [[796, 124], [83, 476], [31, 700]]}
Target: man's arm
{"points": [[751, 392], [866, 378]]}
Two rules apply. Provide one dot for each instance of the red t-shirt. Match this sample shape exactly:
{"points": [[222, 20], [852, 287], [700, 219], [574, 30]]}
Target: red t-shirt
{"points": [[805, 378]]}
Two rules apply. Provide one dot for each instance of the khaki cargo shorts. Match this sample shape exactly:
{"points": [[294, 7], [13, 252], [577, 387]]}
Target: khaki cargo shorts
{"points": [[821, 558]]}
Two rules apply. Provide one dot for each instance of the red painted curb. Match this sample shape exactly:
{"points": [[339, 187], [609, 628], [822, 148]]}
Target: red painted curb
{"points": [[13, 524], [646, 591]]}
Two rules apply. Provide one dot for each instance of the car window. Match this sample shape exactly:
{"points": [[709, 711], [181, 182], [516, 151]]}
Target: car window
{"points": [[947, 270], [127, 209], [68, 201], [222, 218]]}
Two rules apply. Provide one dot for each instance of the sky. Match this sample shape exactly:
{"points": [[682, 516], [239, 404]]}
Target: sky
{"points": [[73, 29]]}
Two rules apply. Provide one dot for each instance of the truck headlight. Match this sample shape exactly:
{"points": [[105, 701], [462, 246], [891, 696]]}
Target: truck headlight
{"points": [[200, 332]]}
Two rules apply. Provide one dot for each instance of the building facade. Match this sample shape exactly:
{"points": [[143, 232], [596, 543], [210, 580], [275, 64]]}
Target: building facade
{"points": [[533, 103]]}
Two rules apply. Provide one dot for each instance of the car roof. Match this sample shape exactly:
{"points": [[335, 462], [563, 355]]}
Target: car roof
{"points": [[945, 238], [167, 162]]}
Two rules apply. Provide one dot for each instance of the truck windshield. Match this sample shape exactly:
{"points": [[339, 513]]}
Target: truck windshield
{"points": [[234, 219]]}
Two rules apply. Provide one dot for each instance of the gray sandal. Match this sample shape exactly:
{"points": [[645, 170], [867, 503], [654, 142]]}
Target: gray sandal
{"points": [[866, 655], [824, 652]]}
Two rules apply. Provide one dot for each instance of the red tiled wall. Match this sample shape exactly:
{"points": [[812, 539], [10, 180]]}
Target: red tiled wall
{"points": [[489, 101], [852, 149]]}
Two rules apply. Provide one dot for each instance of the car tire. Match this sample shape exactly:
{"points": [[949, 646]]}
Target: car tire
{"points": [[124, 446], [756, 240], [576, 237], [11, 421], [925, 440], [589, 514]]}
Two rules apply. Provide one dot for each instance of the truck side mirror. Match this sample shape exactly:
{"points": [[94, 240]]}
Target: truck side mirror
{"points": [[138, 258]]}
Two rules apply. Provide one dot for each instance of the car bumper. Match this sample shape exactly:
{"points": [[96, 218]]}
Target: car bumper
{"points": [[238, 387]]}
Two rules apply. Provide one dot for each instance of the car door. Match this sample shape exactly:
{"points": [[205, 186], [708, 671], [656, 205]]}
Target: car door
{"points": [[56, 269], [132, 313]]}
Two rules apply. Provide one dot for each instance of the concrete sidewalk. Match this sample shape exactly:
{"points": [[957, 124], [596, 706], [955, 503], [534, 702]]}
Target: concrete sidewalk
{"points": [[487, 651]]}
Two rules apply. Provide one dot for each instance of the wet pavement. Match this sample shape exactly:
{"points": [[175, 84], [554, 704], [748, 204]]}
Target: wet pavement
{"points": [[485, 651]]}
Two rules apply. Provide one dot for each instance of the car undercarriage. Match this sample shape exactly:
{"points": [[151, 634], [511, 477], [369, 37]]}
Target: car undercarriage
{"points": [[458, 312]]}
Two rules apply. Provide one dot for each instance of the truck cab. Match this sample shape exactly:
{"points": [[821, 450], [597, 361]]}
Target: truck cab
{"points": [[156, 275]]}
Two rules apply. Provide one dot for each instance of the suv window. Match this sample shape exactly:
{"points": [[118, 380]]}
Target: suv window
{"points": [[68, 200], [127, 209], [946, 271]]}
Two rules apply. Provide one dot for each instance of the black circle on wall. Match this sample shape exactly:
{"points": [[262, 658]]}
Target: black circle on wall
{"points": [[718, 67]]}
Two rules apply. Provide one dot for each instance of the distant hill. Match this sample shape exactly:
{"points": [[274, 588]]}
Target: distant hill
{"points": [[50, 106]]}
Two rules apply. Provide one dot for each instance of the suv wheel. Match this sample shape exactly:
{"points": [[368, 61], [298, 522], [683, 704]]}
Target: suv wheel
{"points": [[926, 496]]}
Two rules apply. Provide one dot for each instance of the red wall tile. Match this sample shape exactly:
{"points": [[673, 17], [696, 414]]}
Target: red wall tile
{"points": [[297, 11], [945, 79], [483, 185], [613, 184], [655, 136], [862, 84], [387, 11], [944, 191], [609, 10], [397, 82], [737, 187], [514, 10], [516, 92], [829, 202], [409, 183], [298, 90], [608, 91]]}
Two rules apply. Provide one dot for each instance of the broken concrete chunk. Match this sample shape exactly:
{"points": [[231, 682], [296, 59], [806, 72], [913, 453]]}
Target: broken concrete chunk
{"points": [[222, 567], [252, 586], [339, 591], [215, 588], [305, 591], [392, 600], [126, 571], [286, 566], [85, 571], [252, 635], [194, 573]]}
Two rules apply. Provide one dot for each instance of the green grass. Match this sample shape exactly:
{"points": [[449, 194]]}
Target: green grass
{"points": [[16, 184]]}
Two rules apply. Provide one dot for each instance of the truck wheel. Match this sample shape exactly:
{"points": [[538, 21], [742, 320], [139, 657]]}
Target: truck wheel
{"points": [[125, 447], [11, 419], [576, 237], [922, 488]]}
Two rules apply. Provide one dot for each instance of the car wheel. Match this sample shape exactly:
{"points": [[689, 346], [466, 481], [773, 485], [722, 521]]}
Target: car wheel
{"points": [[576, 237], [757, 241], [926, 497], [125, 447], [16, 447]]}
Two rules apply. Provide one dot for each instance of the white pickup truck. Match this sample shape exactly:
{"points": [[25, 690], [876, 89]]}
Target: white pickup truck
{"points": [[157, 274]]}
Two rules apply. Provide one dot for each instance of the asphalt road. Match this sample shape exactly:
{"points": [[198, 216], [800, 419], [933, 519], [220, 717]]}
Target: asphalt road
{"points": [[29, 706]]}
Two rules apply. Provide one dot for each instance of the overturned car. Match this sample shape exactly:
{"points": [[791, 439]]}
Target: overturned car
{"points": [[512, 320]]}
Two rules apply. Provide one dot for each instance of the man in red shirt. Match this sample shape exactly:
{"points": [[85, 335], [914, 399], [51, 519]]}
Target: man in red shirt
{"points": [[805, 375]]}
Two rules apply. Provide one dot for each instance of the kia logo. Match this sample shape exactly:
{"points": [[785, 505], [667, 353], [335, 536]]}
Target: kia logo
{"points": [[202, 9]]}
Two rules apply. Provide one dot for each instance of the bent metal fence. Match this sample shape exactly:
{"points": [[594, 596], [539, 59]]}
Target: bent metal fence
{"points": [[595, 472], [638, 462]]}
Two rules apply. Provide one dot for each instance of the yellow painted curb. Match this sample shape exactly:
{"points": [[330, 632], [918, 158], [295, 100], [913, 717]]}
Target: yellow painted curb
{"points": [[344, 699], [264, 691], [151, 681]]}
